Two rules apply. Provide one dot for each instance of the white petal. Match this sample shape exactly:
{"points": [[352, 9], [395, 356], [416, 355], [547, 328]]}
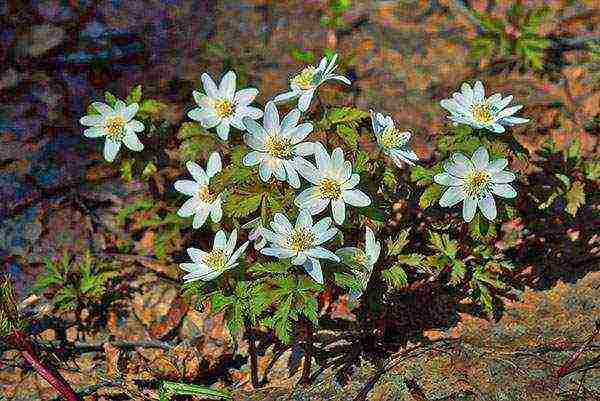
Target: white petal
{"points": [[305, 99], [210, 88], [299, 259], [478, 92], [481, 158], [103, 108], [280, 253], [504, 190], [202, 100], [253, 158], [301, 132], [283, 224], [304, 220], [111, 148], [447, 179], [510, 111], [497, 128], [318, 205], [488, 206], [497, 165], [214, 164], [313, 268], [322, 157], [501, 104], [187, 187], [135, 126], [216, 212], [512, 120], [292, 174], [130, 111], [92, 120], [133, 142], [503, 177], [467, 92], [206, 117], [230, 247], [451, 197], [255, 129], [322, 253], [94, 132], [265, 171], [326, 235], [356, 197], [220, 240], [245, 96], [249, 111], [351, 182], [338, 210], [285, 97], [199, 218], [290, 121], [189, 207], [255, 142], [223, 130], [309, 195], [341, 78], [197, 255], [307, 170], [197, 172], [469, 208], [304, 149], [227, 85], [278, 168], [271, 118]]}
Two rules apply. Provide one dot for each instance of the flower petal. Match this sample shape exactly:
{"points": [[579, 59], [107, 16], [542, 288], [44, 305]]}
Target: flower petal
{"points": [[227, 85], [220, 240], [322, 253], [187, 187], [271, 118], [130, 111], [111, 148], [305, 99], [301, 132], [223, 130], [447, 179], [481, 158], [210, 88], [503, 177], [255, 129], [469, 208], [214, 164], [451, 197], [488, 206], [199, 218], [197, 172], [356, 197], [338, 210], [132, 141], [92, 121], [102, 108], [497, 165], [189, 207], [307, 170], [94, 132], [504, 190], [313, 269], [285, 97], [245, 96], [290, 121], [292, 174]]}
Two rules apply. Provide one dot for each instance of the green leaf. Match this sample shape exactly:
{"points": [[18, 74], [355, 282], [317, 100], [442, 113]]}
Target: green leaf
{"points": [[421, 176], [444, 244], [304, 56], [348, 134], [135, 95], [395, 247], [218, 302], [149, 170], [432, 194], [169, 389], [373, 213], [280, 320], [346, 280], [151, 108], [127, 169], [395, 277], [389, 178], [575, 198], [242, 205], [110, 99], [362, 162], [339, 115], [278, 267]]}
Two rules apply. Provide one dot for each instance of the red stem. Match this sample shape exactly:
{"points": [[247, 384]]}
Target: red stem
{"points": [[54, 379]]}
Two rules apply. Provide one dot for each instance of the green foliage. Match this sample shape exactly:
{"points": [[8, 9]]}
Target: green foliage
{"points": [[516, 35], [75, 283], [10, 318], [168, 389], [333, 18], [291, 297], [244, 304]]}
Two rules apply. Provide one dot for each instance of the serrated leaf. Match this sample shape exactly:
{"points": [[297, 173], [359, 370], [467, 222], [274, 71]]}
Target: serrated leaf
{"points": [[395, 277], [110, 99], [135, 95], [242, 205], [348, 134], [389, 178], [339, 115], [395, 247], [575, 198]]}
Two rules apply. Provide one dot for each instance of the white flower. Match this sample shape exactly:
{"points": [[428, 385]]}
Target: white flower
{"points": [[203, 201], [277, 146], [391, 141], [471, 107], [333, 183], [474, 182], [223, 106], [209, 265], [116, 124], [301, 242], [304, 85], [361, 262]]}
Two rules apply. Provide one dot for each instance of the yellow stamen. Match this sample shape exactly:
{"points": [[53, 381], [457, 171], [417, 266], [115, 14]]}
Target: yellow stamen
{"points": [[205, 194], [390, 138], [482, 113], [302, 239], [224, 108], [329, 189], [216, 260], [114, 127], [279, 147], [477, 183]]}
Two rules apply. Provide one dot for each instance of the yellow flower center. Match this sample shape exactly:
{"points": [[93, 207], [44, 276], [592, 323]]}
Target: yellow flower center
{"points": [[302, 239], [390, 138], [305, 79], [114, 127], [329, 189], [360, 258], [279, 147], [224, 108], [205, 194], [482, 113], [477, 183], [216, 260]]}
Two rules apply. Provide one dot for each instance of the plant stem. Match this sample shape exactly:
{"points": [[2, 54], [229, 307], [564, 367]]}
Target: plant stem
{"points": [[28, 351], [308, 352], [252, 353]]}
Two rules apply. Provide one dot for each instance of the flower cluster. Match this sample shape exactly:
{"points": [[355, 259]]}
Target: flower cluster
{"points": [[280, 149]]}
